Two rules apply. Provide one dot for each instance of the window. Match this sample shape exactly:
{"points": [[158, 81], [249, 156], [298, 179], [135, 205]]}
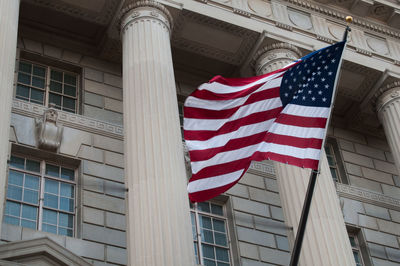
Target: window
{"points": [[47, 86], [210, 234], [356, 249], [335, 162], [40, 195]]}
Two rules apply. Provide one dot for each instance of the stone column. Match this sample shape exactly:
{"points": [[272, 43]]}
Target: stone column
{"points": [[9, 11], [326, 241], [388, 108], [158, 215]]}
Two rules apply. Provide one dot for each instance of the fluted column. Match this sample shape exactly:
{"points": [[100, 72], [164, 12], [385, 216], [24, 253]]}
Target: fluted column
{"points": [[388, 108], [158, 218], [9, 10], [326, 241]]}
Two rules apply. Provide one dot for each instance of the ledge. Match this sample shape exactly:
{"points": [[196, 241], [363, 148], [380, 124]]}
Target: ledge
{"points": [[367, 196], [70, 120]]}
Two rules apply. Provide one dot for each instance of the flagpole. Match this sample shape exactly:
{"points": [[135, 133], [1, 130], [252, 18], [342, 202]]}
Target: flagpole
{"points": [[313, 179]]}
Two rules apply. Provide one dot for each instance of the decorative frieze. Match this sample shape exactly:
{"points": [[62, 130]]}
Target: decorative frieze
{"points": [[70, 120], [367, 196]]}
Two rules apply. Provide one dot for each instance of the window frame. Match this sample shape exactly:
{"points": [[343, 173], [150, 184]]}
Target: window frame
{"points": [[198, 241], [339, 165], [47, 80], [41, 190]]}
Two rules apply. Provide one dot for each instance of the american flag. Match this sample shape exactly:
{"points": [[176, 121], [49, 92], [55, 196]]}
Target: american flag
{"points": [[280, 116]]}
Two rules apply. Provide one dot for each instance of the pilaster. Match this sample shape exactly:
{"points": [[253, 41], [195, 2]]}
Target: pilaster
{"points": [[326, 241], [158, 216], [9, 12]]}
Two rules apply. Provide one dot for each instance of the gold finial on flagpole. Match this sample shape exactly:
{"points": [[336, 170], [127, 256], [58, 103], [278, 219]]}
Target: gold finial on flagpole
{"points": [[349, 19]]}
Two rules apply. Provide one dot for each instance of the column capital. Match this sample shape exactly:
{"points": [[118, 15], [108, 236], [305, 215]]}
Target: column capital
{"points": [[273, 57], [386, 95], [136, 10]]}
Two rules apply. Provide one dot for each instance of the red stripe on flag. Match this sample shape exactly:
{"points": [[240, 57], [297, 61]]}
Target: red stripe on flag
{"points": [[232, 125], [305, 163], [193, 112], [301, 121]]}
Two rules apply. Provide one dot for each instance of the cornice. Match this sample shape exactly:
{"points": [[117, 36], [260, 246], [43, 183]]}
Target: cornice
{"points": [[363, 23], [70, 120]]}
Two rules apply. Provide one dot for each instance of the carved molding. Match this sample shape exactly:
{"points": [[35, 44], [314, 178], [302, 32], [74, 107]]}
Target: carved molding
{"points": [[367, 196], [363, 23], [70, 120], [265, 168], [145, 9], [274, 56]]}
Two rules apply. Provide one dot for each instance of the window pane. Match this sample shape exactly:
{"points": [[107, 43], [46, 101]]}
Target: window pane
{"points": [[70, 79], [205, 222], [13, 208], [38, 82], [357, 257], [207, 236], [55, 99], [22, 92], [64, 231], [15, 178], [352, 241], [209, 262], [194, 233], [217, 209], [56, 75], [66, 220], [208, 251], [67, 190], [219, 225], [31, 196], [52, 170], [222, 254], [49, 217], [331, 161], [24, 78], [67, 174], [51, 186], [25, 67], [196, 253], [51, 201], [29, 212], [55, 86], [14, 192], [69, 90], [37, 96], [11, 220], [221, 239], [17, 162], [39, 71], [49, 228], [32, 182], [204, 206], [27, 223], [66, 204], [222, 264], [334, 175], [68, 104], [32, 166]]}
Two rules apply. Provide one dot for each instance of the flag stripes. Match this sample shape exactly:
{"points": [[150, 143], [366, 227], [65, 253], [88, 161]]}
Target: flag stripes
{"points": [[230, 122]]}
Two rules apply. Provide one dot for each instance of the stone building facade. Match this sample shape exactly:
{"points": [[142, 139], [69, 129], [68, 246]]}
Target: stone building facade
{"points": [[93, 163]]}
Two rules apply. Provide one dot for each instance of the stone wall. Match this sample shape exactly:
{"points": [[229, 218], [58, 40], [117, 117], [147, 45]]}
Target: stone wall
{"points": [[93, 139]]}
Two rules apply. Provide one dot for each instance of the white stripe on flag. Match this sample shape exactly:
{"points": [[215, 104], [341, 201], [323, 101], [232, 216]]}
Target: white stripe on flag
{"points": [[221, 140], [228, 104], [295, 131], [307, 111], [221, 88], [301, 153], [214, 181]]}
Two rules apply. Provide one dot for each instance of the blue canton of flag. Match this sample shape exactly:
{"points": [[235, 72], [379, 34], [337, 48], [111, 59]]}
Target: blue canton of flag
{"points": [[311, 81]]}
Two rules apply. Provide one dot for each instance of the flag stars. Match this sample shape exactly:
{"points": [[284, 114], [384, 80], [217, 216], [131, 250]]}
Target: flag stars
{"points": [[330, 73], [304, 98], [323, 79], [326, 67], [324, 99], [333, 60], [310, 91], [286, 94], [316, 85], [313, 99], [326, 86], [320, 92]]}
